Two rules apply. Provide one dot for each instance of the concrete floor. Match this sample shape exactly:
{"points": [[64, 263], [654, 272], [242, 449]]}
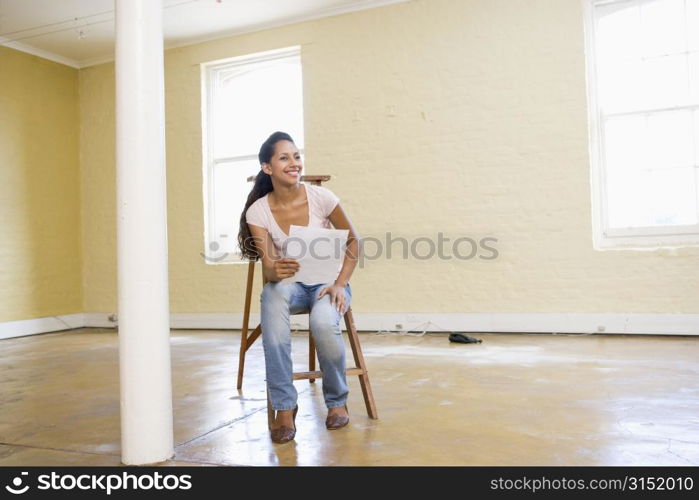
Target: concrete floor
{"points": [[515, 399]]}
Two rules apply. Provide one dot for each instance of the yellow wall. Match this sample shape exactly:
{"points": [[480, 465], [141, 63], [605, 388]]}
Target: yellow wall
{"points": [[98, 193], [465, 117], [40, 262]]}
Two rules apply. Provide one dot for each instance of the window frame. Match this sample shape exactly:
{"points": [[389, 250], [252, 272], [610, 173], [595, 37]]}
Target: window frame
{"points": [[603, 236], [209, 72]]}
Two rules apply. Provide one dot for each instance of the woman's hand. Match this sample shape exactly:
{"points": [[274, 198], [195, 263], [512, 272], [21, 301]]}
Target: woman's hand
{"points": [[284, 268], [337, 296]]}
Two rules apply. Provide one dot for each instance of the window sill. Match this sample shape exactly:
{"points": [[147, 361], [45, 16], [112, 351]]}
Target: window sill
{"points": [[646, 243]]}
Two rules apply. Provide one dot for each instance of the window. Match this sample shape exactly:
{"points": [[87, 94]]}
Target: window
{"points": [[245, 99], [643, 89]]}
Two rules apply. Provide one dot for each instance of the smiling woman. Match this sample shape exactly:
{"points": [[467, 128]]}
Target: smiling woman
{"points": [[277, 200]]}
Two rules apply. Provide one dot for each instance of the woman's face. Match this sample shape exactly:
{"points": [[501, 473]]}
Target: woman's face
{"points": [[285, 165]]}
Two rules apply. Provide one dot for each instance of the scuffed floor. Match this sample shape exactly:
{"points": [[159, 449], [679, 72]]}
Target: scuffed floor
{"points": [[515, 399]]}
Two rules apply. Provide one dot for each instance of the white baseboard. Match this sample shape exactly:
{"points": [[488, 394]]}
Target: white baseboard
{"points": [[643, 324], [10, 329], [632, 324], [100, 320]]}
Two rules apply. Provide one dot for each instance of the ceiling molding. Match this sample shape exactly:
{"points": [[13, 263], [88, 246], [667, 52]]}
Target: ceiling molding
{"points": [[45, 54], [330, 12], [94, 61], [320, 14]]}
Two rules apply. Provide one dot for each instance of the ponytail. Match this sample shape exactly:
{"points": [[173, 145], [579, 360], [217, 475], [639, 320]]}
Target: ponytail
{"points": [[263, 185]]}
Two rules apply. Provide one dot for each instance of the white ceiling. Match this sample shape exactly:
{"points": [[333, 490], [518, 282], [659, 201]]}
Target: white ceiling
{"points": [[81, 32]]}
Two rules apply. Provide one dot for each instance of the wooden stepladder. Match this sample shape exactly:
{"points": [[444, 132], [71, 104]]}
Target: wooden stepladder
{"points": [[248, 339]]}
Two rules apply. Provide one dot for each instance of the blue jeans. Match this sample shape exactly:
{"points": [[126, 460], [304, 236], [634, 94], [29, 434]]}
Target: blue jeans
{"points": [[280, 300]]}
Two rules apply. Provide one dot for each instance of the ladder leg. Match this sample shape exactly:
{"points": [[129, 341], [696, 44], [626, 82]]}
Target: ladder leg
{"points": [[246, 321], [311, 356], [359, 362]]}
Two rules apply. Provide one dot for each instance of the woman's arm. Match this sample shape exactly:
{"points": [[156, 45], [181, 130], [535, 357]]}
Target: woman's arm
{"points": [[339, 220], [273, 267], [336, 291]]}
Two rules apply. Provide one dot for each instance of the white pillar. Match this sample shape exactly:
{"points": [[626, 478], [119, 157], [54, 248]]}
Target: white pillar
{"points": [[144, 325]]}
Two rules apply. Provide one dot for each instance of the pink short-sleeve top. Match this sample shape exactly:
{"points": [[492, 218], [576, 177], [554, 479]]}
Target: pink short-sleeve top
{"points": [[321, 202]]}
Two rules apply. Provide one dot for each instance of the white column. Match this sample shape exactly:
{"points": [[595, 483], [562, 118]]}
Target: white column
{"points": [[144, 327]]}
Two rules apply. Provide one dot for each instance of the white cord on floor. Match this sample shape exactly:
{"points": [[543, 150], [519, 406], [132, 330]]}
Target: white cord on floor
{"points": [[413, 332]]}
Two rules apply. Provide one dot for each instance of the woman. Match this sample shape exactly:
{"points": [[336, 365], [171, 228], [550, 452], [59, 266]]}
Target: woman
{"points": [[277, 200]]}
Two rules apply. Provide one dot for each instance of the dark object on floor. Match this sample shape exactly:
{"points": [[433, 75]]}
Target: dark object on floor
{"points": [[463, 339]]}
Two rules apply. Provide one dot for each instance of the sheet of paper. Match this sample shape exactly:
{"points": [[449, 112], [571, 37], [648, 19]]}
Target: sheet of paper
{"points": [[320, 253]]}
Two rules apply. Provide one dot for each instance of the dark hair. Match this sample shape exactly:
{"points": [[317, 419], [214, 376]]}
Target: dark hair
{"points": [[263, 185]]}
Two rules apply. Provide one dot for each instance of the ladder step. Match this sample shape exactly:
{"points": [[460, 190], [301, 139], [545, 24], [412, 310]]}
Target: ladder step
{"points": [[319, 374]]}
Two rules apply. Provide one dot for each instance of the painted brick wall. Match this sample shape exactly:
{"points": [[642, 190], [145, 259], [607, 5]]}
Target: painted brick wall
{"points": [[40, 262], [461, 117]]}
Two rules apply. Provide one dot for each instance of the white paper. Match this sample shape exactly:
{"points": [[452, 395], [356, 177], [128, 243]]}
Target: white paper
{"points": [[319, 251]]}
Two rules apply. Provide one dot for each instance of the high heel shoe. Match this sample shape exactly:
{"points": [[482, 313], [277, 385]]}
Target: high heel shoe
{"points": [[334, 422], [285, 434]]}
